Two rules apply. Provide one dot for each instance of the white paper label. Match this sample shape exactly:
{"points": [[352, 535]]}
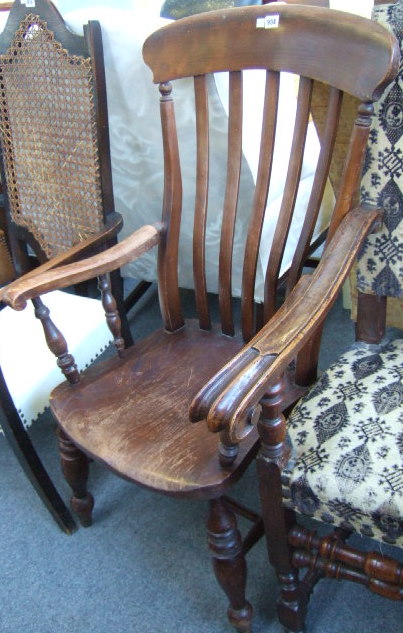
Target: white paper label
{"points": [[268, 22]]}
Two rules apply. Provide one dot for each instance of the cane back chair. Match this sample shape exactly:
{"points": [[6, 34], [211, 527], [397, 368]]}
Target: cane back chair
{"points": [[58, 196], [344, 463], [132, 413]]}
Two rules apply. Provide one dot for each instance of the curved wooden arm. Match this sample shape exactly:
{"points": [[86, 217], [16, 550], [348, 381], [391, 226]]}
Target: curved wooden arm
{"points": [[229, 400], [112, 227], [40, 281]]}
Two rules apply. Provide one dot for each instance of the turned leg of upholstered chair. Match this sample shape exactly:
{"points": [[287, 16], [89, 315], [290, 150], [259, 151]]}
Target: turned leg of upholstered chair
{"points": [[271, 459], [371, 318], [292, 603], [229, 563], [75, 467]]}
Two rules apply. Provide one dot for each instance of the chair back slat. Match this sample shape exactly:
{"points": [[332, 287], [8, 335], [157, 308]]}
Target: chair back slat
{"points": [[202, 174], [231, 200], [257, 222], [259, 202], [289, 195], [171, 217], [318, 187]]}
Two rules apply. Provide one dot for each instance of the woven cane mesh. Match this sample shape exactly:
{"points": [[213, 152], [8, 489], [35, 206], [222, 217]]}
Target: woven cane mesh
{"points": [[48, 137]]}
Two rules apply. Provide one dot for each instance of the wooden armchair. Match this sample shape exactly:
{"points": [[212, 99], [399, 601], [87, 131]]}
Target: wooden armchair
{"points": [[58, 197], [132, 413]]}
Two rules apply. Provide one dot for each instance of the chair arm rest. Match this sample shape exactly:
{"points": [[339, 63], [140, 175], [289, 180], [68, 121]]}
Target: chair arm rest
{"points": [[230, 400], [42, 280], [112, 227]]}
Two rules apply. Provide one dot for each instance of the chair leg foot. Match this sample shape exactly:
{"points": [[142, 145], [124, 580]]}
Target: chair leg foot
{"points": [[83, 507], [293, 603], [241, 619], [229, 563], [75, 467]]}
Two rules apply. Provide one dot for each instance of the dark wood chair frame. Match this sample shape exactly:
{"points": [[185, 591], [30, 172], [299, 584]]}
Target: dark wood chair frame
{"points": [[240, 380], [27, 253]]}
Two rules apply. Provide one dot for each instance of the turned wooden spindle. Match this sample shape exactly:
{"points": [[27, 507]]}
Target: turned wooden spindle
{"points": [[227, 451], [272, 424], [229, 563], [75, 467], [341, 571], [111, 313], [56, 342], [374, 564]]}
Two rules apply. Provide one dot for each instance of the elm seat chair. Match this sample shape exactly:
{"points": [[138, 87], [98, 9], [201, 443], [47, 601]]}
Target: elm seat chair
{"points": [[58, 199], [132, 413]]}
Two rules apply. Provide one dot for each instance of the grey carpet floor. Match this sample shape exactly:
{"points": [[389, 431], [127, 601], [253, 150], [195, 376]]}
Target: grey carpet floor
{"points": [[143, 566]]}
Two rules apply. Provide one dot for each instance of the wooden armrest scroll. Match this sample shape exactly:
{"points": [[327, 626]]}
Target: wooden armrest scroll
{"points": [[36, 283], [230, 399]]}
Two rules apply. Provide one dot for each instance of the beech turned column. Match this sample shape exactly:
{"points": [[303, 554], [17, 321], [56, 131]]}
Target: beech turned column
{"points": [[291, 605], [229, 563], [75, 467]]}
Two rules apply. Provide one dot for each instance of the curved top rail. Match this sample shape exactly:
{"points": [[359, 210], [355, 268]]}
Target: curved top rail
{"points": [[352, 53]]}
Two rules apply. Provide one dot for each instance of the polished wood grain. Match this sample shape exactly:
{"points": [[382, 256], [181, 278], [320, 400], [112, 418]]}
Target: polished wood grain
{"points": [[300, 56], [17, 293], [145, 448]]}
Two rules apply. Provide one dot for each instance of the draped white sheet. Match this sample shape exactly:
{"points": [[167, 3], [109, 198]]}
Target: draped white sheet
{"points": [[136, 148]]}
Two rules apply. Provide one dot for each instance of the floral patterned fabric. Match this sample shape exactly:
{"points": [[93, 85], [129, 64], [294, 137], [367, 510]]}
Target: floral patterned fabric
{"points": [[380, 264], [347, 437]]}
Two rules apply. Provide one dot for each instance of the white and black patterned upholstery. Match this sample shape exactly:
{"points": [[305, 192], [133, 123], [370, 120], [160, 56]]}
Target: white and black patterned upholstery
{"points": [[347, 432], [380, 265], [347, 438]]}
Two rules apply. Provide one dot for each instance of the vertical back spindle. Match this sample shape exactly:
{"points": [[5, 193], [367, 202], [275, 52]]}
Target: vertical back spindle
{"points": [[172, 209], [259, 202], [289, 195], [231, 200], [318, 187], [200, 218]]}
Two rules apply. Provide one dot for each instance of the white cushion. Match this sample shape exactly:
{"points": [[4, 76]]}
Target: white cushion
{"points": [[29, 368]]}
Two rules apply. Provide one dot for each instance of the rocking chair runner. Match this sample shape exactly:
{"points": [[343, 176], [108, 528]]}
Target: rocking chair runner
{"points": [[132, 413]]}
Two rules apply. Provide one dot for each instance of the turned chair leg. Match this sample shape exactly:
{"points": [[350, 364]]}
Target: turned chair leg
{"points": [[75, 467], [294, 593], [229, 563]]}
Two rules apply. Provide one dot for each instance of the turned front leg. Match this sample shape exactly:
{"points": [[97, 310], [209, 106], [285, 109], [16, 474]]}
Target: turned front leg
{"points": [[75, 467], [229, 563], [271, 459]]}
